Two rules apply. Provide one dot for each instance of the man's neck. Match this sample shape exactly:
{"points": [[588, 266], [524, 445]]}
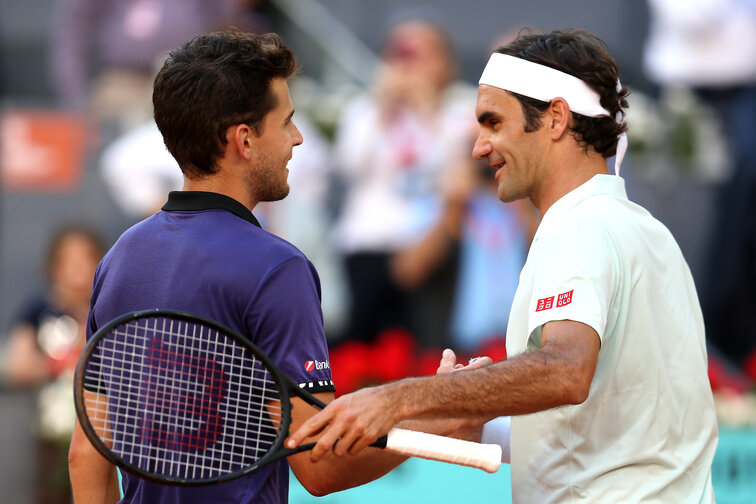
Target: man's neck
{"points": [[220, 184], [567, 176]]}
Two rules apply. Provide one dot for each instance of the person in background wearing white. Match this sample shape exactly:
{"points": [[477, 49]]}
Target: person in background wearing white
{"points": [[397, 148]]}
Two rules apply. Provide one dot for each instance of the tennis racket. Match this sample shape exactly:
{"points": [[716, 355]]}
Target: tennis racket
{"points": [[180, 399]]}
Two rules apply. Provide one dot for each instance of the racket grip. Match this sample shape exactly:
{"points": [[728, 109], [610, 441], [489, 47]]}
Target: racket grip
{"points": [[444, 449]]}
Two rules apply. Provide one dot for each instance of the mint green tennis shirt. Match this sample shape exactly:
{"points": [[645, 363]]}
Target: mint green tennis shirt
{"points": [[647, 431]]}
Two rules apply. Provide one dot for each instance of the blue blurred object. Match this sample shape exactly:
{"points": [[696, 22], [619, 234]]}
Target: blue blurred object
{"points": [[733, 472], [419, 480]]}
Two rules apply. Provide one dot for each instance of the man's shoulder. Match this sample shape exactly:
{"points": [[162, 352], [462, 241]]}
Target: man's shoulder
{"points": [[619, 218], [585, 221], [603, 213], [256, 253], [271, 246], [143, 229]]}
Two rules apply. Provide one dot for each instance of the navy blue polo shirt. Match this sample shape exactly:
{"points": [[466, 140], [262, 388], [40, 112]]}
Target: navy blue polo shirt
{"points": [[205, 253]]}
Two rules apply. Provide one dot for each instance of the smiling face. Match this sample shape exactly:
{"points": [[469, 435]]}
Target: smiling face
{"points": [[272, 149], [516, 156]]}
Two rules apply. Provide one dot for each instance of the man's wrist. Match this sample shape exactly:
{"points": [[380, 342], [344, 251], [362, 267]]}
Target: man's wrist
{"points": [[402, 396]]}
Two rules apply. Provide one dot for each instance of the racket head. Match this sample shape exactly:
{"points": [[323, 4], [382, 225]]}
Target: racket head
{"points": [[180, 399]]}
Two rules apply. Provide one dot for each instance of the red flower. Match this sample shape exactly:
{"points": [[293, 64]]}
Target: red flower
{"points": [[393, 354], [349, 366], [723, 379], [749, 367], [494, 347]]}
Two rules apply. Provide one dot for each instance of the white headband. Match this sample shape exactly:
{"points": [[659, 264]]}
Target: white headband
{"points": [[545, 83]]}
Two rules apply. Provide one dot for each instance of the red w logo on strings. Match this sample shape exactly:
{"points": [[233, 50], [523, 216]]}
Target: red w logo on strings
{"points": [[182, 393]]}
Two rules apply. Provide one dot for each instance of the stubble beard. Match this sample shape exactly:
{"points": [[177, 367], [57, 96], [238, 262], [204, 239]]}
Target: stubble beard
{"points": [[268, 183], [277, 196]]}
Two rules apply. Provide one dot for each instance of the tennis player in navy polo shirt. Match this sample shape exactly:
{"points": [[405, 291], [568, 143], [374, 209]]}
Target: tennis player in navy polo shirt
{"points": [[223, 107]]}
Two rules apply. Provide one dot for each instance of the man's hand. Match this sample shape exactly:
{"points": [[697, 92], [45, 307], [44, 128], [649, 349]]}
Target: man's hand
{"points": [[449, 363], [350, 423], [469, 428]]}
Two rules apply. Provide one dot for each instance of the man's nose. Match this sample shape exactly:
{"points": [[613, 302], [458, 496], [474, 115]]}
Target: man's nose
{"points": [[297, 138], [482, 148]]}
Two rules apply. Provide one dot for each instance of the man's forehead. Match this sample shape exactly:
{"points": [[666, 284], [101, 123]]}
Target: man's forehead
{"points": [[491, 92], [491, 99], [280, 89]]}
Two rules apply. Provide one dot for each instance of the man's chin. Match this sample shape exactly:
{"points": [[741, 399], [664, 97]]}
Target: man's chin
{"points": [[278, 195], [508, 197]]}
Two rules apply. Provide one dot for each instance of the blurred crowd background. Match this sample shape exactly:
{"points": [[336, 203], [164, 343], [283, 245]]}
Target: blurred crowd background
{"points": [[414, 250]]}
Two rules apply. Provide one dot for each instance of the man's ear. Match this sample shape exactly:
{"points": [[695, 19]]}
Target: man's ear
{"points": [[239, 137], [559, 117]]}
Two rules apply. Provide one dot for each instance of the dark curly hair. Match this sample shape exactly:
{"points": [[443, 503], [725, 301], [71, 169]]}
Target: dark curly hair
{"points": [[209, 84], [586, 57]]}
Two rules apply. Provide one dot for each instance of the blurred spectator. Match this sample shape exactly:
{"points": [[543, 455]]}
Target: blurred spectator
{"points": [[494, 243], [139, 171], [104, 51], [43, 349], [395, 146], [710, 47]]}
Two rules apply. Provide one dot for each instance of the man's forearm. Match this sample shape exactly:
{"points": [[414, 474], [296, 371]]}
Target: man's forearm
{"points": [[93, 479], [95, 487], [98, 490], [558, 373], [524, 384]]}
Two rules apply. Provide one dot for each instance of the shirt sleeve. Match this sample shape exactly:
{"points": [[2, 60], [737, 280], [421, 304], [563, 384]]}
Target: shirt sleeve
{"points": [[497, 431], [287, 324], [575, 280]]}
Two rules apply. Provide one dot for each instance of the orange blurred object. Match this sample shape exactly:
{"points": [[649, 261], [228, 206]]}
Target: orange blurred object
{"points": [[41, 149]]}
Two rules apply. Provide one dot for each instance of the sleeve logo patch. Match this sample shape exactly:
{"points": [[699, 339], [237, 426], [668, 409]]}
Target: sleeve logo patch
{"points": [[564, 299], [547, 303], [312, 365]]}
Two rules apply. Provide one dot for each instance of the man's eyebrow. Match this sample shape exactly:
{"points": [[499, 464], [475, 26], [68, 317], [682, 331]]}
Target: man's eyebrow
{"points": [[485, 116]]}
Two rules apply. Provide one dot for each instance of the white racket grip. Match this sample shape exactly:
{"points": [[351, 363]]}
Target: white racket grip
{"points": [[444, 449]]}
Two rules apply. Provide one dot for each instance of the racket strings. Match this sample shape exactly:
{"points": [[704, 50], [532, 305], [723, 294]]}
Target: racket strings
{"points": [[182, 400]]}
